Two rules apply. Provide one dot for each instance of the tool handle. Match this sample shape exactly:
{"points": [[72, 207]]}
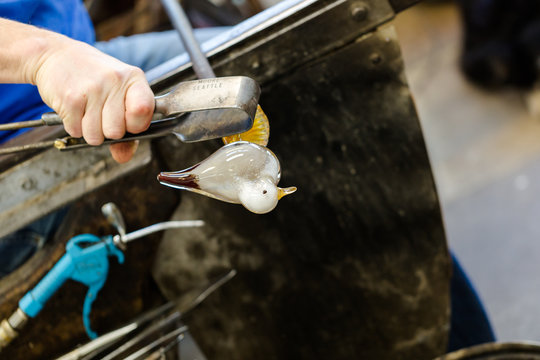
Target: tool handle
{"points": [[91, 295], [92, 268], [32, 303], [157, 128], [88, 265], [163, 105], [80, 264], [51, 118], [35, 299], [47, 119]]}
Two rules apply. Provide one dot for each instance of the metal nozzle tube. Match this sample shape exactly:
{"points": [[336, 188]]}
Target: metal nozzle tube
{"points": [[9, 327], [122, 240]]}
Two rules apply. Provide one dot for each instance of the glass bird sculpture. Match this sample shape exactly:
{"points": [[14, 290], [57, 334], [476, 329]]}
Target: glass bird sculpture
{"points": [[240, 172]]}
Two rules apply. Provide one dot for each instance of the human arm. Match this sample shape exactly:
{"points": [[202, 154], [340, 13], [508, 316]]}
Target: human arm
{"points": [[96, 95]]}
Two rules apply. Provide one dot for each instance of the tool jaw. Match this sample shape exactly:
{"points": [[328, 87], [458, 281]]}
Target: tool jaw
{"points": [[214, 107]]}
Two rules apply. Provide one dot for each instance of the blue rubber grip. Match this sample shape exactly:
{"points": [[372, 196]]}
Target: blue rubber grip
{"points": [[88, 265], [35, 299]]}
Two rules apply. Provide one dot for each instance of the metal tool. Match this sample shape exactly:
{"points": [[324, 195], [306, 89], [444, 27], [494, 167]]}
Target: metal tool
{"points": [[86, 261], [176, 308], [194, 111], [200, 63], [164, 340], [181, 23], [105, 341], [182, 305], [161, 352]]}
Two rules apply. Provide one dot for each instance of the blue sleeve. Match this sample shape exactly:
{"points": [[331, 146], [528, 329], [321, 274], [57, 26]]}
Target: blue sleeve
{"points": [[20, 102]]}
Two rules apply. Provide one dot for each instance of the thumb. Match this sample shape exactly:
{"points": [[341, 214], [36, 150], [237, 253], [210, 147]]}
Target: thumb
{"points": [[123, 151]]}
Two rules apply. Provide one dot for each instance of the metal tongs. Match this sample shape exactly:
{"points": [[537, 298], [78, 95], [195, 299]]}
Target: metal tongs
{"points": [[194, 111]]}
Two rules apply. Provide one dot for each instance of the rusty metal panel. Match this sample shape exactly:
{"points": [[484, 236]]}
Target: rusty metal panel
{"points": [[352, 266], [52, 179]]}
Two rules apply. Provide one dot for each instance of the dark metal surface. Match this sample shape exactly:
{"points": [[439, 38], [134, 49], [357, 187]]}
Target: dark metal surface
{"points": [[354, 265], [400, 5], [52, 179]]}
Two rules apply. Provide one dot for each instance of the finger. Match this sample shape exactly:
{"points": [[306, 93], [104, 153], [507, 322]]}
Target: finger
{"points": [[112, 120], [91, 121], [139, 106], [123, 152], [73, 111]]}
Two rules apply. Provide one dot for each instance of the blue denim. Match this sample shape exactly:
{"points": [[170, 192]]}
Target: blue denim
{"points": [[147, 51], [69, 17], [469, 324], [17, 247]]}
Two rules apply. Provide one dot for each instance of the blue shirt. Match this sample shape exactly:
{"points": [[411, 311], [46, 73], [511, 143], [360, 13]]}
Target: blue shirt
{"points": [[22, 101]]}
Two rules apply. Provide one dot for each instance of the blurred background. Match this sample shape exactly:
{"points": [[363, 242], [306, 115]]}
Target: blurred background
{"points": [[483, 139], [127, 17]]}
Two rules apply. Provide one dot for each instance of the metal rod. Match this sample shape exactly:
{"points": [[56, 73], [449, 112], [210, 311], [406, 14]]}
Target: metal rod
{"points": [[159, 227], [154, 344], [199, 61], [22, 125], [143, 335], [99, 343], [95, 347], [36, 146], [181, 23], [209, 290]]}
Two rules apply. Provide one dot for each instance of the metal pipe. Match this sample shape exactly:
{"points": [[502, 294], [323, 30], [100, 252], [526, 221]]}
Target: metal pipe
{"points": [[158, 227], [199, 61], [181, 23], [22, 125], [35, 146], [278, 13]]}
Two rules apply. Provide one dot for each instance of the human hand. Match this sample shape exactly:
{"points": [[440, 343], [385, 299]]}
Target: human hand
{"points": [[96, 95]]}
